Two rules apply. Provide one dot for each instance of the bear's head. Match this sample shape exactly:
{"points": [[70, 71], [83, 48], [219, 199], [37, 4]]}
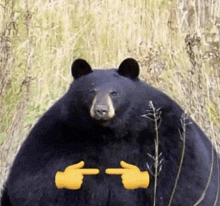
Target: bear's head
{"points": [[104, 94]]}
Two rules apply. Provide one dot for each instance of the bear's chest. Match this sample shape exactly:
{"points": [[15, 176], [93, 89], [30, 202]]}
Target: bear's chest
{"points": [[108, 153], [103, 187]]}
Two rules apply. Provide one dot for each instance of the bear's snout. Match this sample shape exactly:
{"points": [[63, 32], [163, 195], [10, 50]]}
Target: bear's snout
{"points": [[102, 108]]}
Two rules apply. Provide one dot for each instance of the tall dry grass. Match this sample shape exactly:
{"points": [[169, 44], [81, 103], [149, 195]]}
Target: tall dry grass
{"points": [[176, 43]]}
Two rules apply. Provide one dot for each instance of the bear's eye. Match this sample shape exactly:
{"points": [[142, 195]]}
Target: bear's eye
{"points": [[113, 93], [93, 91]]}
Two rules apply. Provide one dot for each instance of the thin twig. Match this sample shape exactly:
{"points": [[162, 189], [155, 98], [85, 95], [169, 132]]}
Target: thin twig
{"points": [[217, 195], [183, 138], [208, 182], [154, 115]]}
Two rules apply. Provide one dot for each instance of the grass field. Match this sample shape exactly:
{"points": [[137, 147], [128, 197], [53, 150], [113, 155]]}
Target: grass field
{"points": [[176, 43]]}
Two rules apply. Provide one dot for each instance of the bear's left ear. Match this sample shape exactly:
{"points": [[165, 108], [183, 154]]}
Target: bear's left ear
{"points": [[129, 68], [80, 67]]}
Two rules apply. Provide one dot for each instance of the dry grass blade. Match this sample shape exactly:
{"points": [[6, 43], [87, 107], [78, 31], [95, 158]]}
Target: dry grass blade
{"points": [[183, 138], [218, 191], [208, 182], [155, 116]]}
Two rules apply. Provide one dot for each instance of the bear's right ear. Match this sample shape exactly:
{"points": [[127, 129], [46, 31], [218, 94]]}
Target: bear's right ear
{"points": [[80, 67]]}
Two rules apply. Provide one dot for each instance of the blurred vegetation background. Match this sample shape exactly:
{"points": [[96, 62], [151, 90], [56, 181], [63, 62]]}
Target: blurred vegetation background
{"points": [[176, 42]]}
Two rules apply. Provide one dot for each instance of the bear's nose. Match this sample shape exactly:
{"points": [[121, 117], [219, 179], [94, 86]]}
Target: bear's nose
{"points": [[101, 110]]}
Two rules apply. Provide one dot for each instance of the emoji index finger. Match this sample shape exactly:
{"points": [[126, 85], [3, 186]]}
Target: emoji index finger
{"points": [[89, 171], [115, 171]]}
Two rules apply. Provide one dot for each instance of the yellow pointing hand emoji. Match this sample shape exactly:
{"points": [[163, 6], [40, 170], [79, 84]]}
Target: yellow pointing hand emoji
{"points": [[132, 177], [72, 177]]}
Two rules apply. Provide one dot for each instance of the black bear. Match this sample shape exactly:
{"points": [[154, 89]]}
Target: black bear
{"points": [[114, 122]]}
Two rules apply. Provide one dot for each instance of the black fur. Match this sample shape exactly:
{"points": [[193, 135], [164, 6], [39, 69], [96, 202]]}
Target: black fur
{"points": [[66, 134]]}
